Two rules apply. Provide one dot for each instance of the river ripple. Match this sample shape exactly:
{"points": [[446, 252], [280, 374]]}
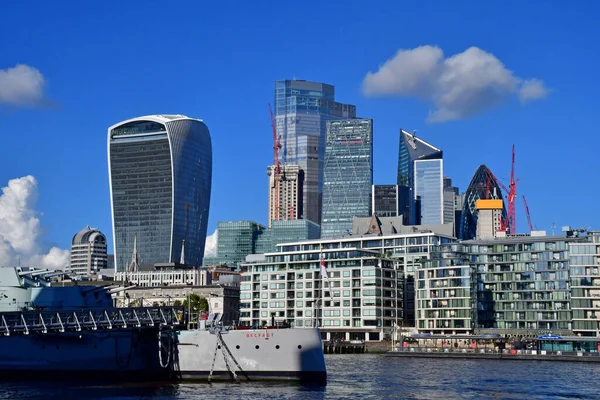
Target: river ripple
{"points": [[364, 376]]}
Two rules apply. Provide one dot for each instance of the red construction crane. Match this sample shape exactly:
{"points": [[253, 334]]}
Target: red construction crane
{"points": [[277, 165], [503, 223], [511, 195], [527, 213]]}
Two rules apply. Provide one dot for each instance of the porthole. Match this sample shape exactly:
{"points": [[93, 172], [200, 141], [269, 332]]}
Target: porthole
{"points": [[299, 347], [257, 347], [277, 347], [219, 347], [237, 347]]}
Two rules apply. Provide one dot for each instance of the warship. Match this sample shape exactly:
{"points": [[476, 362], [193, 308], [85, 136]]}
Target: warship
{"points": [[77, 332]]}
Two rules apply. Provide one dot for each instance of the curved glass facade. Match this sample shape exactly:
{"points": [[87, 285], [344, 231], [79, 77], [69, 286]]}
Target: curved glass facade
{"points": [[482, 186], [160, 189]]}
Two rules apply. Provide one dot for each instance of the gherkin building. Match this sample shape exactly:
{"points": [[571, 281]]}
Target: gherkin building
{"points": [[482, 186]]}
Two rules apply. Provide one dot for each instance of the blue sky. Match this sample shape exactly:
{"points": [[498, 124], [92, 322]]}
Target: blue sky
{"points": [[103, 62]]}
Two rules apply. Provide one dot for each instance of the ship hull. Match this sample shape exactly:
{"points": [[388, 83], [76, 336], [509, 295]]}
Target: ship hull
{"points": [[262, 354], [99, 355]]}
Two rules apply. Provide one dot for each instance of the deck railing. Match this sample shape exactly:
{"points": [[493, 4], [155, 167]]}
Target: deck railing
{"points": [[46, 321]]}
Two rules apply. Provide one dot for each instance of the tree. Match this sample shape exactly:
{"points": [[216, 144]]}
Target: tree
{"points": [[196, 304], [177, 303], [135, 303]]}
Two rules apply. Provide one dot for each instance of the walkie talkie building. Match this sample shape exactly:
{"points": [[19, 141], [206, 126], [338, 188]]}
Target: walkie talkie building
{"points": [[160, 172]]}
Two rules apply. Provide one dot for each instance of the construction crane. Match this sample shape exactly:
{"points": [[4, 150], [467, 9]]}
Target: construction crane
{"points": [[527, 213], [276, 163], [512, 196], [510, 225], [503, 223]]}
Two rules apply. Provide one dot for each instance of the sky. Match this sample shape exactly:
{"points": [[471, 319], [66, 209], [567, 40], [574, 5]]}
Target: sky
{"points": [[472, 78]]}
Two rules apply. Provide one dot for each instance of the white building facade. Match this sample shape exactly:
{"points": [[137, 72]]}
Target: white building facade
{"points": [[167, 277], [88, 252], [368, 277]]}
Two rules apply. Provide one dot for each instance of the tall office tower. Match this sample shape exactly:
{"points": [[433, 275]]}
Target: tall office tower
{"points": [[385, 200], [347, 175], [450, 201], [429, 190], [412, 149], [88, 252], [160, 171], [488, 219], [301, 111], [482, 186], [459, 202], [287, 193]]}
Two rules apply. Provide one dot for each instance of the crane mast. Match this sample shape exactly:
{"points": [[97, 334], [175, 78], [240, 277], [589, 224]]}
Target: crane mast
{"points": [[276, 163], [527, 213], [512, 196], [510, 225]]}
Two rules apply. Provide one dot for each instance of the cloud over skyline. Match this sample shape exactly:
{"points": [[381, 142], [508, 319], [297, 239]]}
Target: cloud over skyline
{"points": [[21, 85], [210, 248], [459, 86], [20, 228]]}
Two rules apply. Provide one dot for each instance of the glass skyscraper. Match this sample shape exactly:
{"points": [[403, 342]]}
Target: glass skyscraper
{"points": [[347, 176], [238, 239], [482, 186], [429, 190], [160, 171], [410, 150], [302, 109], [385, 200]]}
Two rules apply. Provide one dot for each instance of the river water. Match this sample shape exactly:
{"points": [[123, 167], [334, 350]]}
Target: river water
{"points": [[364, 376]]}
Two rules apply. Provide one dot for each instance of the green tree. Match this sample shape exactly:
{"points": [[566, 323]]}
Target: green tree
{"points": [[177, 303], [196, 304], [135, 303]]}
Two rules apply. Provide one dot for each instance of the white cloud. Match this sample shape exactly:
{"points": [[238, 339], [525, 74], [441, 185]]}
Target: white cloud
{"points": [[20, 228], [21, 85], [459, 86], [532, 89], [210, 248]]}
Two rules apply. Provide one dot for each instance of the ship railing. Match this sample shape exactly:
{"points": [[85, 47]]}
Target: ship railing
{"points": [[45, 321]]}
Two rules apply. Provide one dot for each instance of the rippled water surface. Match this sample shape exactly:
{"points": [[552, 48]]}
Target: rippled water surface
{"points": [[365, 376]]}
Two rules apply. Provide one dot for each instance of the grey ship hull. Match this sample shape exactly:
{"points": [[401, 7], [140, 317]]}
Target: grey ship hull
{"points": [[129, 354], [261, 354]]}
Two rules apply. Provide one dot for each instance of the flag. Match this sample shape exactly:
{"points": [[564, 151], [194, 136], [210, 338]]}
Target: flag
{"points": [[324, 275]]}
